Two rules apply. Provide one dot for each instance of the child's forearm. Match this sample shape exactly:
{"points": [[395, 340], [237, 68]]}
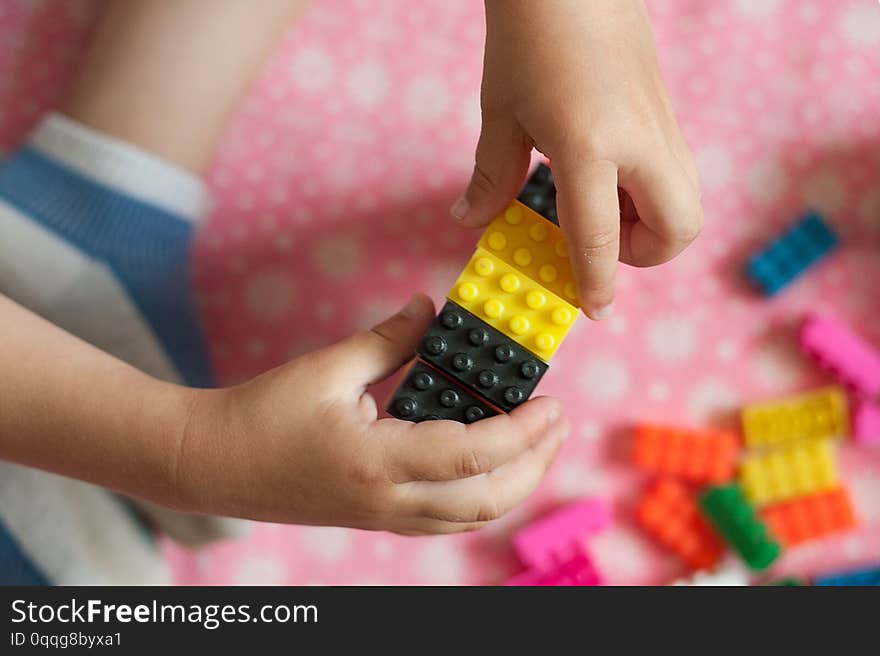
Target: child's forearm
{"points": [[70, 408]]}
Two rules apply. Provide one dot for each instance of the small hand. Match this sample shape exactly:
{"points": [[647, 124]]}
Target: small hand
{"points": [[579, 81], [303, 444]]}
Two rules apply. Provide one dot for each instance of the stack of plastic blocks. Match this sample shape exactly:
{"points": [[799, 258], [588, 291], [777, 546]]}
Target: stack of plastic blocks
{"points": [[553, 549], [682, 461], [788, 489], [540, 193], [855, 363], [789, 256], [503, 321], [791, 476]]}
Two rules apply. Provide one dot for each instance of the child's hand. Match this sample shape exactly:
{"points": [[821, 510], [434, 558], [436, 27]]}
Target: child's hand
{"points": [[578, 80], [303, 444]]}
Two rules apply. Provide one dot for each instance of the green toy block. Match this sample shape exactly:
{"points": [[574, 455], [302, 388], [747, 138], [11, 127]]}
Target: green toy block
{"points": [[788, 582], [728, 510]]}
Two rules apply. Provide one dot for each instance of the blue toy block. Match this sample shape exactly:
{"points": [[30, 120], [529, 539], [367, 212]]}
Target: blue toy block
{"points": [[789, 256], [858, 577]]}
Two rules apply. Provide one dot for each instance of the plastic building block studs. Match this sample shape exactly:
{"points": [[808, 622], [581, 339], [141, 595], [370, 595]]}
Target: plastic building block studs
{"points": [[701, 456], [481, 358], [866, 423], [556, 537], [427, 394], [789, 471], [540, 193], [786, 258], [732, 515], [528, 242], [669, 512], [514, 304], [822, 413], [812, 517], [858, 577], [855, 362], [577, 570]]}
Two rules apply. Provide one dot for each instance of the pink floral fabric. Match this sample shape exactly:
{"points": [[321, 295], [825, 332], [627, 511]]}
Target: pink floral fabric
{"points": [[333, 183]]}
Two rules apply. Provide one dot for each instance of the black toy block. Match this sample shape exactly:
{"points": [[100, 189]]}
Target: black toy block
{"points": [[479, 357], [539, 193], [427, 394]]}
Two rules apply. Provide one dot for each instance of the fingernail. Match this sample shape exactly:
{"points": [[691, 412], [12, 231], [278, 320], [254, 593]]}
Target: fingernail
{"points": [[603, 312], [460, 208], [412, 309]]}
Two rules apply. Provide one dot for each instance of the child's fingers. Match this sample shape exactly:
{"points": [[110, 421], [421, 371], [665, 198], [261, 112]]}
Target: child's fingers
{"points": [[589, 213], [426, 526], [502, 162], [442, 450], [487, 496], [372, 355], [669, 209]]}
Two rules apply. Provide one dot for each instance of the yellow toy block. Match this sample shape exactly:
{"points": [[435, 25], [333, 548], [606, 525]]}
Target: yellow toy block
{"points": [[533, 245], [514, 304], [789, 471], [822, 413]]}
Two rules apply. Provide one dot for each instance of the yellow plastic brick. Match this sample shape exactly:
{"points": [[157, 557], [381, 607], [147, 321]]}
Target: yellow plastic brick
{"points": [[823, 413], [514, 304], [533, 245], [789, 471]]}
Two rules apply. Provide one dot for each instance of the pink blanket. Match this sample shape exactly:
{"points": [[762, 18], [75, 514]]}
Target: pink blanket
{"points": [[333, 185]]}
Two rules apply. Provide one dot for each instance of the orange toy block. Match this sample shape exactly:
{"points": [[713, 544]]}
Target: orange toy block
{"points": [[701, 456], [669, 512], [811, 517]]}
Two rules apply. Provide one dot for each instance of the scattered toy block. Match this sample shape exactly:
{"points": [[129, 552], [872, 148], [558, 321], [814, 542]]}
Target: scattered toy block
{"points": [[812, 517], [789, 471], [735, 519], [577, 570], [866, 423], [556, 537], [857, 577], [670, 513], [788, 257], [701, 456], [842, 352], [817, 414]]}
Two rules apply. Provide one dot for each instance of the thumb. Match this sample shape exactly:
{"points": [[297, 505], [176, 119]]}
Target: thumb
{"points": [[374, 354], [501, 164]]}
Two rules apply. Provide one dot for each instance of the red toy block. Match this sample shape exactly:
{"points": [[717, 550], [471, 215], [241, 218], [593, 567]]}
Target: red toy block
{"points": [[842, 352], [578, 570], [555, 538], [701, 456], [866, 423], [669, 512], [812, 517]]}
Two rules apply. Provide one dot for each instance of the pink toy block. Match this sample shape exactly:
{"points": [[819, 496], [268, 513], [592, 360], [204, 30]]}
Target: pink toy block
{"points": [[842, 352], [559, 536], [866, 423], [578, 570]]}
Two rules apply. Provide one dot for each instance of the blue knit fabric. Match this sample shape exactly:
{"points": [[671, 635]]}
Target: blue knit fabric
{"points": [[15, 567], [146, 247]]}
